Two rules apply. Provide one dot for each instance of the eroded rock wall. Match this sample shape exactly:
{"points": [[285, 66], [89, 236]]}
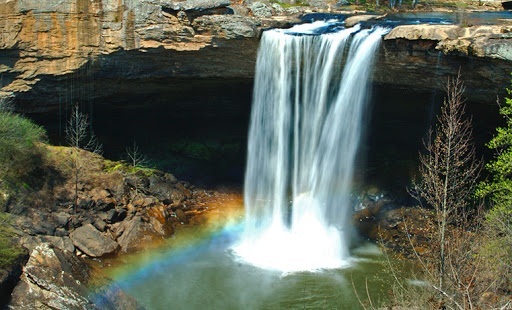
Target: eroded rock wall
{"points": [[422, 57], [55, 51], [122, 38]]}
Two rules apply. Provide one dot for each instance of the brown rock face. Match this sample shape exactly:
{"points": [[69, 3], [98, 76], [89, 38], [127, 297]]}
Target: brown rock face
{"points": [[423, 56], [53, 39], [62, 51], [91, 241], [52, 279], [57, 279]]}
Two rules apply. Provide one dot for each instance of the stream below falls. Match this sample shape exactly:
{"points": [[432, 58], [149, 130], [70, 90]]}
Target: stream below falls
{"points": [[197, 269]]}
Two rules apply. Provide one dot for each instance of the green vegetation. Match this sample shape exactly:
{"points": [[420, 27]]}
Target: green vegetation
{"points": [[464, 260], [112, 166], [20, 152], [20, 155], [499, 189], [9, 250], [290, 5], [498, 192]]}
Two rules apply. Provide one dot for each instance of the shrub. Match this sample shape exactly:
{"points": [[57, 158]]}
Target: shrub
{"points": [[498, 191], [19, 151]]}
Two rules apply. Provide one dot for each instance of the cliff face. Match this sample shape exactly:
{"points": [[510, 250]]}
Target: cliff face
{"points": [[422, 56], [46, 47], [49, 40]]}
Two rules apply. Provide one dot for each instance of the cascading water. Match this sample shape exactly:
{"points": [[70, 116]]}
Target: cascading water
{"points": [[309, 96]]}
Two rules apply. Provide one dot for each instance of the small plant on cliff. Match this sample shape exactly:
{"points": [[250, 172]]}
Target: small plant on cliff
{"points": [[135, 158], [79, 136]]}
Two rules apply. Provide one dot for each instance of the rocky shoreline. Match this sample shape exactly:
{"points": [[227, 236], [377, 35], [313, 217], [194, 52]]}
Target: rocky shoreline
{"points": [[118, 212], [125, 211]]}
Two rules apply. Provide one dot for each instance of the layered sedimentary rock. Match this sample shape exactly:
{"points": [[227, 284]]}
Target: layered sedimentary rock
{"points": [[422, 56], [62, 51], [49, 40]]}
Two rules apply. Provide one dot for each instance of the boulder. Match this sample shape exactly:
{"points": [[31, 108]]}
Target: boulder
{"points": [[62, 243], [102, 199], [33, 225], [100, 224], [115, 215], [57, 279], [260, 9], [61, 218], [92, 242], [52, 279], [135, 233]]}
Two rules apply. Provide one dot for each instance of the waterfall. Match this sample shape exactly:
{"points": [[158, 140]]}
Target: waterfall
{"points": [[309, 97]]}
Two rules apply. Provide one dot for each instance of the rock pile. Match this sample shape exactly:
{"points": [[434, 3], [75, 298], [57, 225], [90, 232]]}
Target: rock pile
{"points": [[132, 211]]}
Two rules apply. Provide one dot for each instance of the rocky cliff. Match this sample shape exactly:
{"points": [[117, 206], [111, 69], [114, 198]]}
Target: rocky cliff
{"points": [[49, 48], [44, 44], [422, 56]]}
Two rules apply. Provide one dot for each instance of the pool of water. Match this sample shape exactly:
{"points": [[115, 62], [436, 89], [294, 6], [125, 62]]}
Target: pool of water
{"points": [[196, 269]]}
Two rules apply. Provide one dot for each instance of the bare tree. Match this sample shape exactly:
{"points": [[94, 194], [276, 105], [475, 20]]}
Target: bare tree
{"points": [[79, 135], [135, 157], [449, 170]]}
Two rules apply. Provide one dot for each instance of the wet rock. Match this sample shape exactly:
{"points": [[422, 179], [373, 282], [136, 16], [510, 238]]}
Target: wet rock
{"points": [[92, 242], [57, 279], [112, 297], [158, 217], [180, 215], [52, 279]]}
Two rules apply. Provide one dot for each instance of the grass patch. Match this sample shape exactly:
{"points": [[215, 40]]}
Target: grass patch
{"points": [[113, 166], [10, 250]]}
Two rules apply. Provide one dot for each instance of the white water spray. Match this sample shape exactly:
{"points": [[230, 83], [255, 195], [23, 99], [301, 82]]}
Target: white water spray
{"points": [[309, 96]]}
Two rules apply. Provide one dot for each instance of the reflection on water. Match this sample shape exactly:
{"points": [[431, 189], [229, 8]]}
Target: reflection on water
{"points": [[197, 270]]}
